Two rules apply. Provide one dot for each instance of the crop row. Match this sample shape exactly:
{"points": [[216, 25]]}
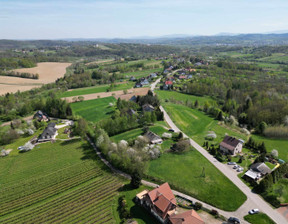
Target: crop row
{"points": [[74, 195], [32, 185], [94, 197], [48, 192]]}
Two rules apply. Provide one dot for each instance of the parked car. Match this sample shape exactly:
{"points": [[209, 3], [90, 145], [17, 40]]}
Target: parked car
{"points": [[254, 211], [21, 148], [231, 163], [240, 169], [236, 167], [171, 130], [233, 220]]}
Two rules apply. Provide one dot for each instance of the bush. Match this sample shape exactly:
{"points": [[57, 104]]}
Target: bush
{"points": [[198, 206], [214, 213], [272, 199]]}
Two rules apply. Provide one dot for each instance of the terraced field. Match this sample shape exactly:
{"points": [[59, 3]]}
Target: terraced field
{"points": [[71, 190]]}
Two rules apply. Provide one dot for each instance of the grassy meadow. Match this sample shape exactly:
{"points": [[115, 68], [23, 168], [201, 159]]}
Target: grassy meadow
{"points": [[94, 110], [215, 188]]}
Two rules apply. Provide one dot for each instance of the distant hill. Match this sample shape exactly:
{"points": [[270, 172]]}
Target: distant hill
{"points": [[177, 39]]}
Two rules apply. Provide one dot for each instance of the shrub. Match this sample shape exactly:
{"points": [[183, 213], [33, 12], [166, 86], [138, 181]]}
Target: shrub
{"points": [[198, 206], [214, 213]]}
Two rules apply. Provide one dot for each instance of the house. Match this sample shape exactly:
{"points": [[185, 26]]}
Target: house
{"points": [[182, 77], [160, 201], [153, 138], [198, 64], [133, 99], [144, 82], [49, 133], [189, 76], [131, 112], [138, 85], [256, 171], [147, 108], [231, 145], [41, 116], [132, 78], [153, 75], [188, 217]]}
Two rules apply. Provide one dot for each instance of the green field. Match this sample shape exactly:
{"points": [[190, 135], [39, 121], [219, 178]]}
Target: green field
{"points": [[94, 110], [96, 89], [143, 73], [61, 182], [259, 219], [163, 95], [185, 173]]}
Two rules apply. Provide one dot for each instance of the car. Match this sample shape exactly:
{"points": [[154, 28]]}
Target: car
{"points": [[236, 167], [231, 163], [233, 220], [240, 169], [254, 211], [21, 148], [171, 130]]}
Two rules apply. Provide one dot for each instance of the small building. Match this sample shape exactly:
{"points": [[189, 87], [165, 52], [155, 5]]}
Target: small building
{"points": [[147, 108], [49, 133], [144, 82], [153, 75], [231, 146], [41, 116], [133, 99], [138, 85], [188, 217], [153, 138], [132, 78], [257, 171], [131, 112], [198, 64]]}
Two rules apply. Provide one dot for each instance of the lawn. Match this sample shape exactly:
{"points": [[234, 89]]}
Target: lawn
{"points": [[162, 94], [214, 188], [279, 144], [96, 89], [94, 110], [196, 124], [139, 74], [128, 135], [258, 219], [138, 213]]}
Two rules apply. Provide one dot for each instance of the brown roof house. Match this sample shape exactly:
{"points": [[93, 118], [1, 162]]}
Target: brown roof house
{"points": [[188, 217], [153, 138], [231, 145], [161, 203]]}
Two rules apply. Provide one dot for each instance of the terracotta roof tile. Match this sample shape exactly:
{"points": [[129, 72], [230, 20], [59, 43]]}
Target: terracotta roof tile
{"points": [[189, 217]]}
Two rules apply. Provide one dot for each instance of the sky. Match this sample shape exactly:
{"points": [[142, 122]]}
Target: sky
{"points": [[52, 19]]}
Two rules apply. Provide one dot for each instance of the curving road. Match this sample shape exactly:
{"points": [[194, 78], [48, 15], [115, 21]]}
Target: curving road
{"points": [[253, 200]]}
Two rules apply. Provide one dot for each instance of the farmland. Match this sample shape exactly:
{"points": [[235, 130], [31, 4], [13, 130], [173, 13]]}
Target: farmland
{"points": [[56, 183], [48, 72], [94, 110], [215, 188], [97, 89]]}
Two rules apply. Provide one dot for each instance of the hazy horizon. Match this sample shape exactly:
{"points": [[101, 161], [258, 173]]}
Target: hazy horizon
{"points": [[70, 19]]}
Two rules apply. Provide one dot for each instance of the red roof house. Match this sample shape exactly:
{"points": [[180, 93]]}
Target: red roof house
{"points": [[189, 217]]}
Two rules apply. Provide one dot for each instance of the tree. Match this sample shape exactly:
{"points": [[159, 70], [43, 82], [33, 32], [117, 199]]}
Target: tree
{"points": [[80, 98], [274, 153], [80, 127], [220, 116], [136, 177], [261, 127], [196, 104]]}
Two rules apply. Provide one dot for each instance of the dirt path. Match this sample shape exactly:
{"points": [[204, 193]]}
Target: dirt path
{"points": [[25, 119]]}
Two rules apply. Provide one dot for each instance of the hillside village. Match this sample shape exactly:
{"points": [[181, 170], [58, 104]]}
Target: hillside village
{"points": [[165, 141]]}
